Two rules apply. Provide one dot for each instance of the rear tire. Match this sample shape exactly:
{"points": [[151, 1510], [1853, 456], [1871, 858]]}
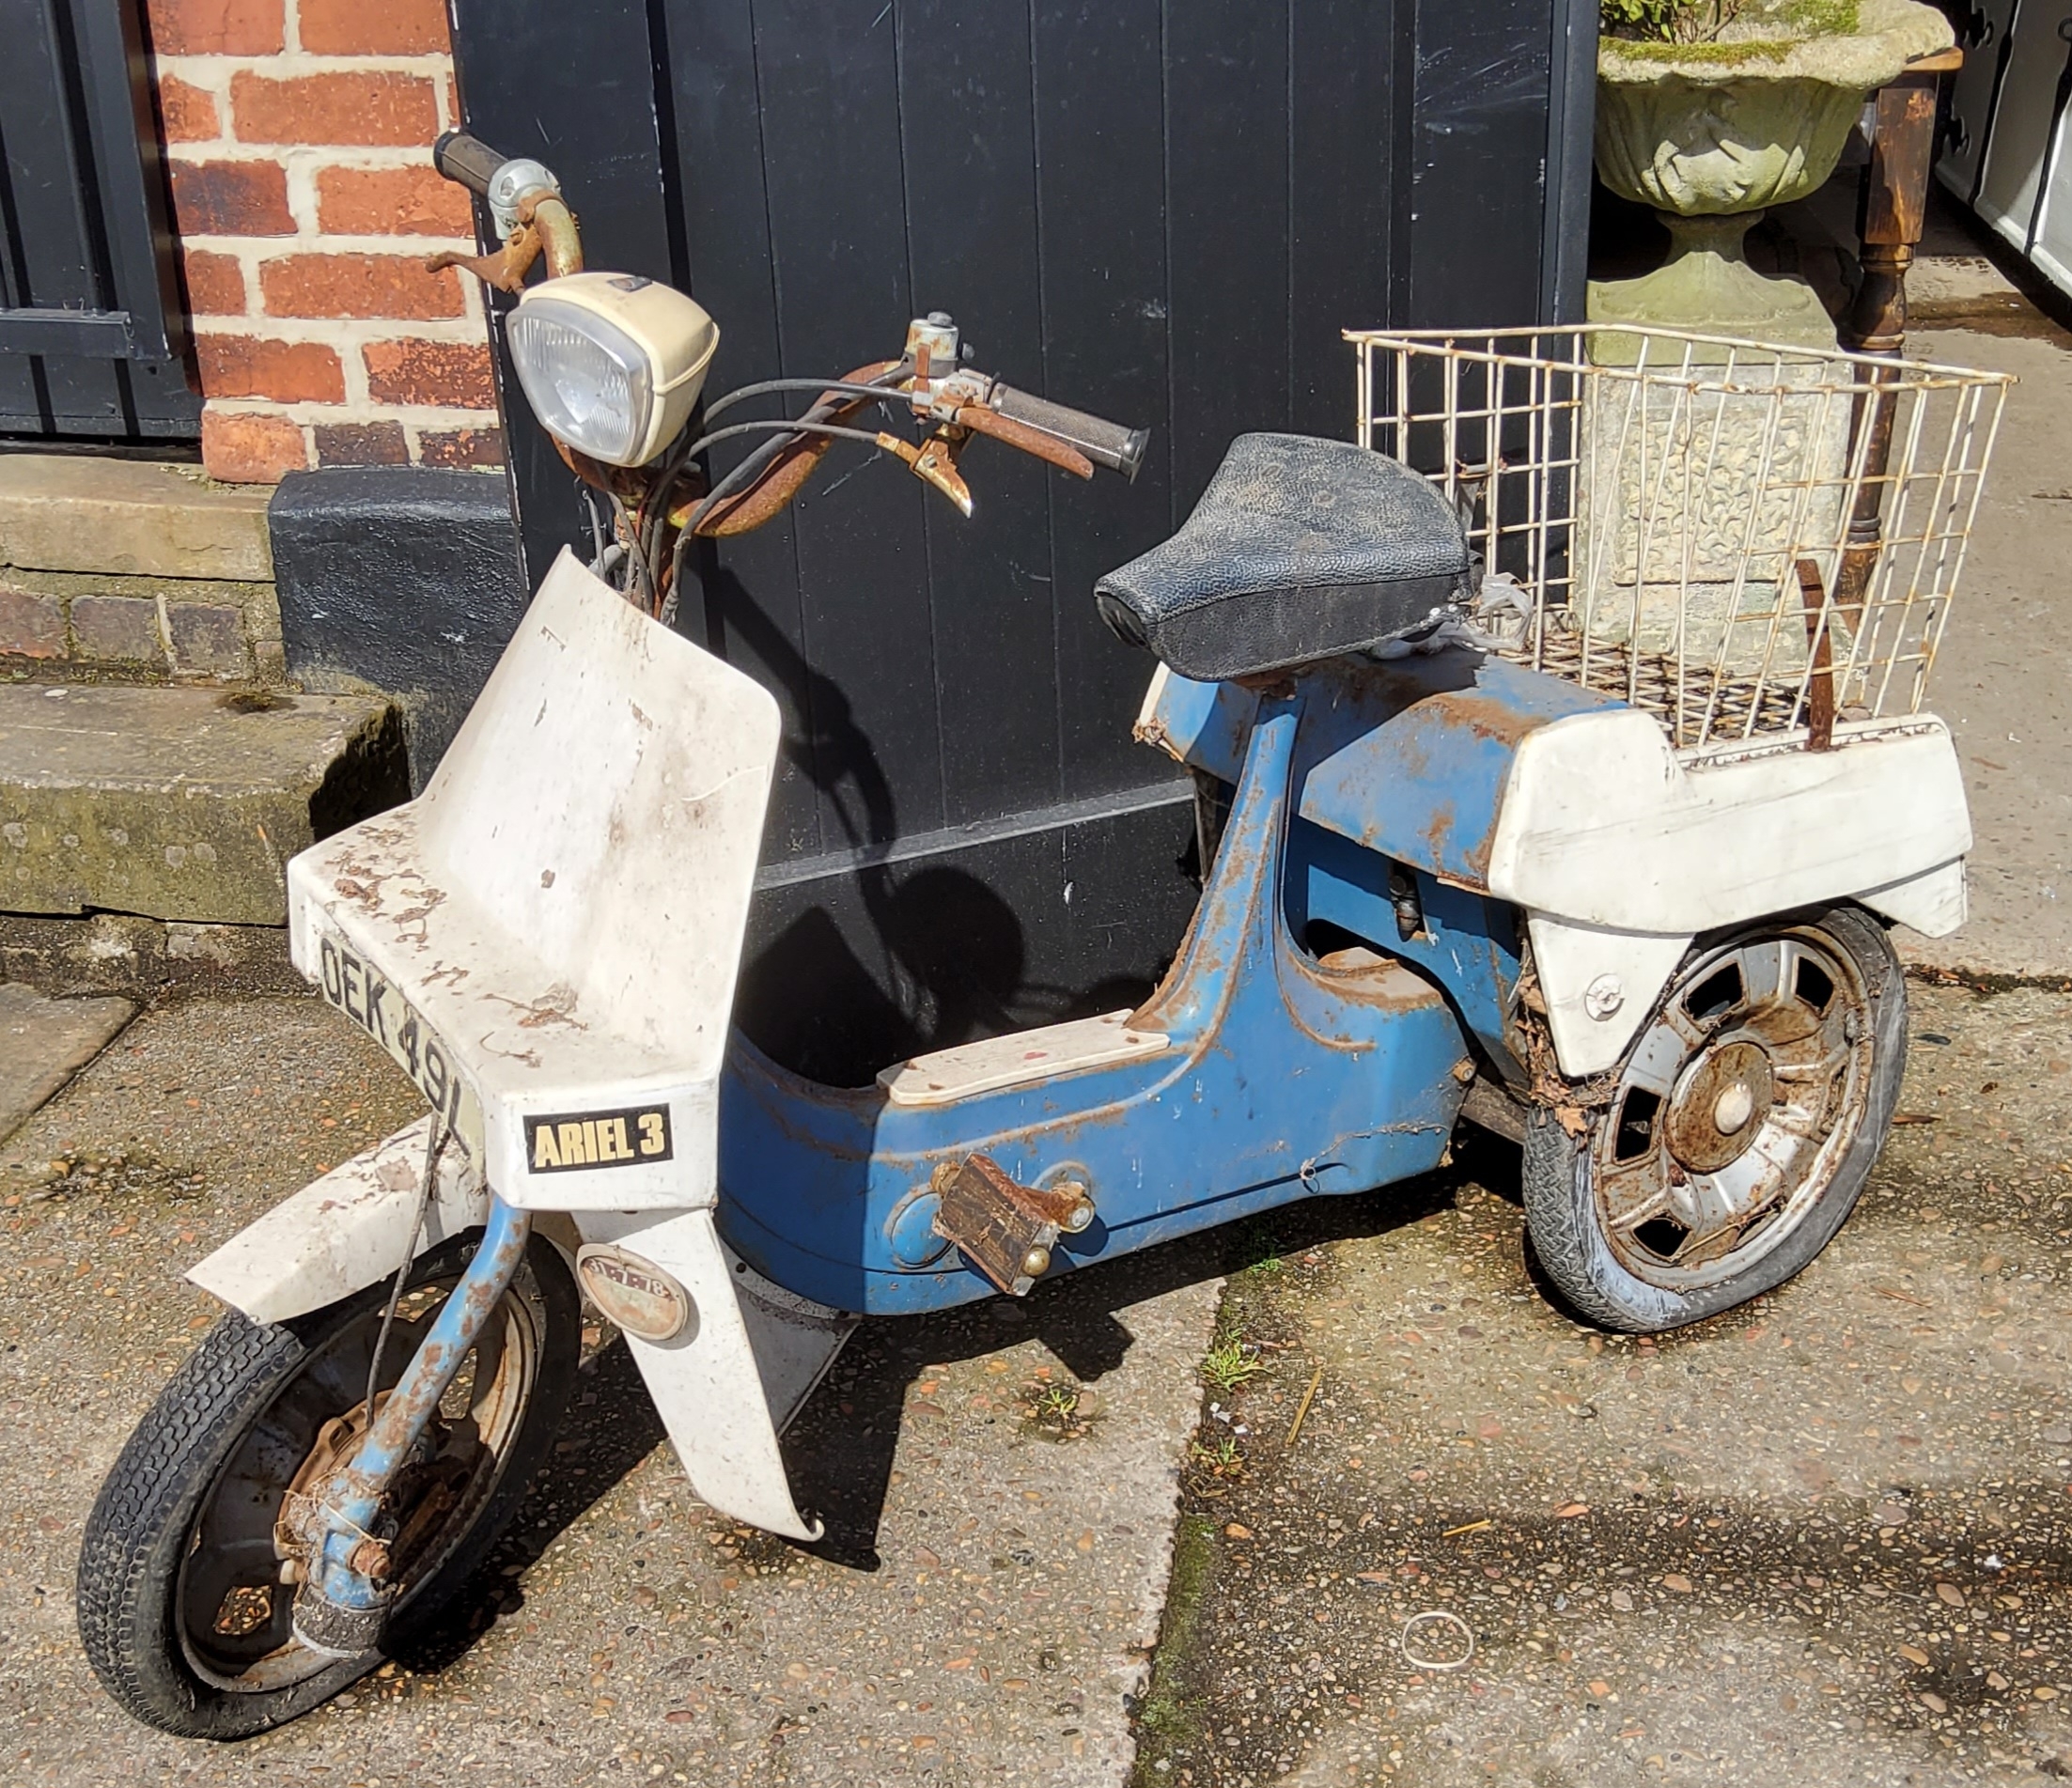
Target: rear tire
{"points": [[180, 1611], [1661, 1213]]}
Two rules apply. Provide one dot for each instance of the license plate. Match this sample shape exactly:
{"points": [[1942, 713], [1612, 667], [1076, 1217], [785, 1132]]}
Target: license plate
{"points": [[369, 999]]}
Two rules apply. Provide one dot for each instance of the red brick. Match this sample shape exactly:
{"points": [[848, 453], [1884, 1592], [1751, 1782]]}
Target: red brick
{"points": [[120, 627], [335, 108], [207, 639], [30, 626], [286, 371], [215, 282], [215, 28], [392, 201], [248, 449], [362, 444], [374, 27], [187, 113], [358, 286], [446, 374], [462, 447], [231, 198]]}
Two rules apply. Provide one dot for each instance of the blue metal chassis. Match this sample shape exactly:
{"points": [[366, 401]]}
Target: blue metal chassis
{"points": [[1281, 1078]]}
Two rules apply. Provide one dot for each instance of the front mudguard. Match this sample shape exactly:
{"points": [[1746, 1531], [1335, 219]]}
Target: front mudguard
{"points": [[343, 1232], [725, 1387]]}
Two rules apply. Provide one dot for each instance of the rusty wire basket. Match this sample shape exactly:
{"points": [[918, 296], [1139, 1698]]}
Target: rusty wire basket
{"points": [[1743, 540]]}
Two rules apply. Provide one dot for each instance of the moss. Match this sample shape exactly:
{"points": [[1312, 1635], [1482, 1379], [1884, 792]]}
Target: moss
{"points": [[1824, 18], [1747, 50], [1170, 1713], [1721, 30]]}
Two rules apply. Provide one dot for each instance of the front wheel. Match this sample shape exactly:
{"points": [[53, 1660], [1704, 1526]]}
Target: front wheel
{"points": [[1745, 1119], [182, 1608]]}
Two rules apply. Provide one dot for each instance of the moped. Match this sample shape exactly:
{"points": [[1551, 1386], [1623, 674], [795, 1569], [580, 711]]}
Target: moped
{"points": [[1450, 871]]}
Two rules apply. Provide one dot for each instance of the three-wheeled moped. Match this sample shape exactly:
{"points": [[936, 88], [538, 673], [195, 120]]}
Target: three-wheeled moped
{"points": [[1560, 765]]}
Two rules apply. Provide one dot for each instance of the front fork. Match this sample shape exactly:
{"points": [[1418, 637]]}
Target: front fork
{"points": [[343, 1599]]}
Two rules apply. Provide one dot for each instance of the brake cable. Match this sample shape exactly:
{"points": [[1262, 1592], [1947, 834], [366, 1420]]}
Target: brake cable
{"points": [[754, 464], [680, 457], [846, 387], [435, 1144]]}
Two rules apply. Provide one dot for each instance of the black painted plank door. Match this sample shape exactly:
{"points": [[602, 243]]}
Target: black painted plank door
{"points": [[1161, 210], [82, 226]]}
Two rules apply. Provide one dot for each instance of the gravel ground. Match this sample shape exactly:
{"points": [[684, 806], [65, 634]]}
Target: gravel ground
{"points": [[999, 1486], [1823, 1538]]}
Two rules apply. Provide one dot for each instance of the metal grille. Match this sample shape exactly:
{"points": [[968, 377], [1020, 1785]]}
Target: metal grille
{"points": [[1743, 540]]}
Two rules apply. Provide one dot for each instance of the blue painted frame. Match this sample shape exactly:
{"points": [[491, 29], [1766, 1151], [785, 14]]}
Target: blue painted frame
{"points": [[1283, 1074]]}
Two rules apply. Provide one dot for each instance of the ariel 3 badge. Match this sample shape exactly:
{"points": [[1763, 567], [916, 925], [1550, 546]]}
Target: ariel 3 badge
{"points": [[637, 1136]]}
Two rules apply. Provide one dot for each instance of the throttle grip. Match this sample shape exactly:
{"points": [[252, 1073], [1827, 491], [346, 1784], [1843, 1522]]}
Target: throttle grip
{"points": [[466, 162], [1106, 444]]}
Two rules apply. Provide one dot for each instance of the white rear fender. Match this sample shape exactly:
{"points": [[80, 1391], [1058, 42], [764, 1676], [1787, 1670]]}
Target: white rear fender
{"points": [[1620, 850]]}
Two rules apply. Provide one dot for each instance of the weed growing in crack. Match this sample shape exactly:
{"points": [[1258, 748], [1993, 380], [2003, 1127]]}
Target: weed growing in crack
{"points": [[1231, 1362]]}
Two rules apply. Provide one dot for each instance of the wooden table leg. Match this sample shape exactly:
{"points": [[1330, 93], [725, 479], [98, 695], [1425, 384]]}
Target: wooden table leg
{"points": [[1890, 213]]}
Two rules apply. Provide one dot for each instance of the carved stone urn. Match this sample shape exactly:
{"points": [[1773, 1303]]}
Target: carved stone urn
{"points": [[1710, 134]]}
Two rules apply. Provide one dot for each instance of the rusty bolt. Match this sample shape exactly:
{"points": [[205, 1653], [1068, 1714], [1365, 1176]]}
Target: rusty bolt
{"points": [[370, 1558]]}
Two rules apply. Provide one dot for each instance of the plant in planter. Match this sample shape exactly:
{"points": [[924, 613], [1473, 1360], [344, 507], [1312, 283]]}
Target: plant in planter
{"points": [[1710, 110]]}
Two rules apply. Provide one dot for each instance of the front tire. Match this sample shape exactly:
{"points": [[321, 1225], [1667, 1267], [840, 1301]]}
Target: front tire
{"points": [[181, 1608], [1746, 1118]]}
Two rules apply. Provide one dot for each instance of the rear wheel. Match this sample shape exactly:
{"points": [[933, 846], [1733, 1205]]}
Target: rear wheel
{"points": [[183, 1609], [1746, 1116]]}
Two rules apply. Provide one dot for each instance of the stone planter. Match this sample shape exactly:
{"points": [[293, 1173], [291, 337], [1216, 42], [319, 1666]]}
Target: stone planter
{"points": [[1711, 134], [1708, 494]]}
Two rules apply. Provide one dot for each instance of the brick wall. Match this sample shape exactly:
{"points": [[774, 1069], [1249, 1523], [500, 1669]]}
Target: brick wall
{"points": [[296, 134]]}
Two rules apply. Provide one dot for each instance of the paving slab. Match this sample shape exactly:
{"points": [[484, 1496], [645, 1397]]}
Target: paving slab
{"points": [[2003, 678], [1826, 1538], [984, 1605], [45, 1042], [178, 803]]}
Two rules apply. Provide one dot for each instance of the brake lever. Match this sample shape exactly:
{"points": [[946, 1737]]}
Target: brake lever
{"points": [[504, 270], [962, 398], [934, 462]]}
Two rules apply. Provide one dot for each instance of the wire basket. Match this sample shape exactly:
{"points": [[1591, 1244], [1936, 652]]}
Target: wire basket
{"points": [[1745, 542]]}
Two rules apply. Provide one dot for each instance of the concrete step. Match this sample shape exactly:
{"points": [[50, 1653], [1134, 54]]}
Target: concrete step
{"points": [[180, 803], [137, 568]]}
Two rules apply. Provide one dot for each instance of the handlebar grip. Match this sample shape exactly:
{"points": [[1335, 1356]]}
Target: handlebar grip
{"points": [[1106, 444], [466, 162]]}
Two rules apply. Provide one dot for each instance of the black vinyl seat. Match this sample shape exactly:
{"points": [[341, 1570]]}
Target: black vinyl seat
{"points": [[1299, 550]]}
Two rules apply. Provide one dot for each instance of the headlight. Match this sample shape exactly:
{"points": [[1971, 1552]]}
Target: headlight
{"points": [[611, 363]]}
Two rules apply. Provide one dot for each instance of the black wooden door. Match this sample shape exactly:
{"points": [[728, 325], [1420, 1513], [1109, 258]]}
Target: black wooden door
{"points": [[90, 341], [1161, 210]]}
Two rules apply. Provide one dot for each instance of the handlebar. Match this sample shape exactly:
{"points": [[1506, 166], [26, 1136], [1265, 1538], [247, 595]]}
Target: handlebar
{"points": [[466, 162], [1106, 444]]}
